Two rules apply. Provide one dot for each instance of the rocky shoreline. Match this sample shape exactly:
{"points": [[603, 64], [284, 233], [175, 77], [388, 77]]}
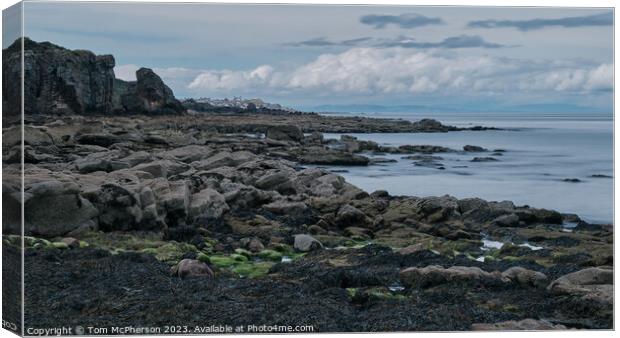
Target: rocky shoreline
{"points": [[140, 212], [192, 225]]}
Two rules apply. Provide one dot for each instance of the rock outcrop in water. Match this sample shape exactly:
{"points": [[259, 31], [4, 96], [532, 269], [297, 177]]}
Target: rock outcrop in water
{"points": [[62, 81]]}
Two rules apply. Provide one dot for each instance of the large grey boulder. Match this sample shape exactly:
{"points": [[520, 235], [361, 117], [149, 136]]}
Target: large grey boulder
{"points": [[174, 198], [54, 208], [594, 284], [162, 168], [101, 161], [284, 133], [240, 196], [279, 181], [119, 207], [350, 216], [526, 277], [283, 207], [208, 204], [325, 156], [33, 136], [435, 209], [224, 159], [306, 243], [188, 154]]}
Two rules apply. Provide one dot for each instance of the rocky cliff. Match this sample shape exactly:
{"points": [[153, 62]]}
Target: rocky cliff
{"points": [[63, 81]]}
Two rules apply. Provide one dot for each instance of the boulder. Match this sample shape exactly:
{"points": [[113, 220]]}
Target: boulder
{"points": [[284, 133], [316, 229], [71, 242], [279, 181], [283, 207], [174, 198], [350, 216], [315, 137], [484, 159], [98, 139], [436, 209], [434, 275], [315, 182], [358, 233], [593, 283], [191, 268], [510, 220], [431, 125], [319, 155], [224, 159], [136, 158], [306, 243], [101, 161], [54, 208], [33, 136], [526, 277], [541, 216], [420, 148], [252, 244], [208, 204], [119, 207], [30, 155], [162, 168], [188, 154], [242, 196], [412, 249], [470, 148]]}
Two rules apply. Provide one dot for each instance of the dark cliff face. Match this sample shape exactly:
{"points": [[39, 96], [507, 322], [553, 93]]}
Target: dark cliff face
{"points": [[148, 94], [63, 81]]}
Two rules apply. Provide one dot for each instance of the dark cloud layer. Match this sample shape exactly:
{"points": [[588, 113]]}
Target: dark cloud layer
{"points": [[462, 41], [410, 20], [323, 42], [603, 19]]}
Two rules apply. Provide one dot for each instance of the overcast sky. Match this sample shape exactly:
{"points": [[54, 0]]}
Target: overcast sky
{"points": [[311, 55]]}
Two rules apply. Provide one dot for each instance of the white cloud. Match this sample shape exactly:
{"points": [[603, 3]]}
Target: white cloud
{"points": [[396, 71], [601, 78]]}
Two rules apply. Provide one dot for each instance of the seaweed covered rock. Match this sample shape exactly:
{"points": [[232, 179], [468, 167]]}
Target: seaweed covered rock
{"points": [[512, 325], [433, 275]]}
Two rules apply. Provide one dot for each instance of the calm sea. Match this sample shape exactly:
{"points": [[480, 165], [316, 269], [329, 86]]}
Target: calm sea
{"points": [[541, 151]]}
